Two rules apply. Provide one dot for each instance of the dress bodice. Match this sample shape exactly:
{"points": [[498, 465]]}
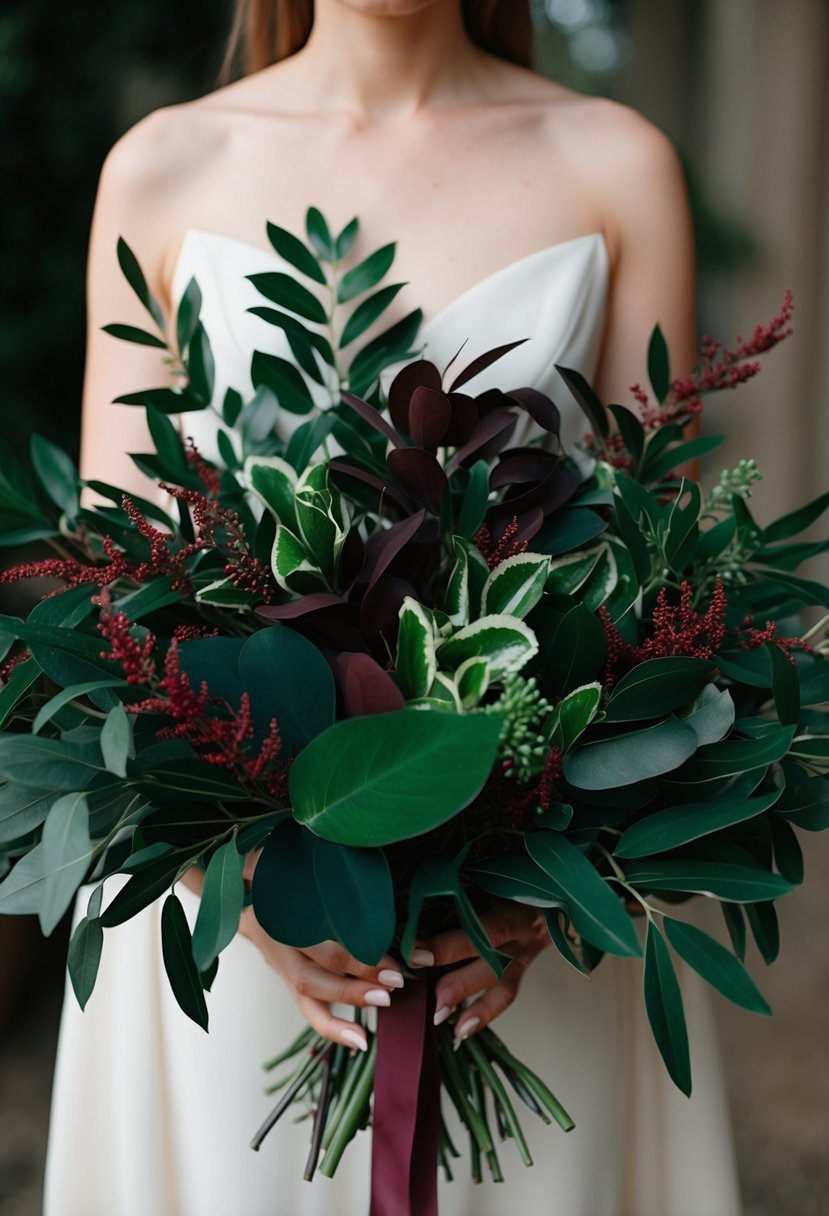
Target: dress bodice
{"points": [[556, 298]]}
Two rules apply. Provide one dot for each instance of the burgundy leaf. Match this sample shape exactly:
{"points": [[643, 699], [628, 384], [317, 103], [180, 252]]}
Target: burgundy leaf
{"points": [[384, 488], [420, 374], [464, 419], [492, 399], [498, 425], [352, 557], [430, 413], [372, 416], [301, 607], [420, 474], [365, 687], [380, 609], [540, 408], [519, 465], [383, 547], [453, 359], [483, 361], [550, 495]]}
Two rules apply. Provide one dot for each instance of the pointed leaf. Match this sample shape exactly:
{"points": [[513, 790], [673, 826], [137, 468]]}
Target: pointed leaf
{"points": [[220, 905], [176, 950], [716, 965], [294, 251], [84, 957], [663, 1002]]}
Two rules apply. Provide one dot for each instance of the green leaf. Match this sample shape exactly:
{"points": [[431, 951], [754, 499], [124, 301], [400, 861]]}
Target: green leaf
{"points": [[682, 532], [630, 757], [84, 957], [571, 571], [711, 716], [657, 686], [292, 249], [22, 677], [319, 234], [516, 585], [135, 277], [807, 804], [387, 777], [440, 876], [796, 521], [505, 642], [176, 950], [659, 372], [516, 877], [284, 290], [116, 741], [285, 382], [287, 678], [677, 825], [67, 853], [34, 761], [220, 905], [574, 651], [587, 399], [716, 965], [367, 312], [733, 757], [741, 884], [167, 441], [358, 897], [595, 909], [365, 275], [788, 855], [286, 899], [630, 428], [187, 315], [346, 239], [291, 566], [663, 1002], [132, 333], [668, 461], [388, 347], [559, 938], [765, 930], [296, 333], [474, 502], [736, 926], [575, 712], [22, 810], [785, 684], [57, 474], [472, 680], [273, 481], [141, 889], [415, 663]]}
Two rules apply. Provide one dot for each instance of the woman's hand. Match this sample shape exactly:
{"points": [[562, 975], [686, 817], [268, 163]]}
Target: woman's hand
{"points": [[319, 976], [514, 929]]}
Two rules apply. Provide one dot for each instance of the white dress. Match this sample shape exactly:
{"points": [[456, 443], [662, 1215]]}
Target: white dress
{"points": [[152, 1117]]}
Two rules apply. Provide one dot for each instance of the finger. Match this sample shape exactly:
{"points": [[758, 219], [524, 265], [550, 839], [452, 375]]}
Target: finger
{"points": [[310, 980], [334, 957], [493, 1002], [461, 984], [338, 1030], [506, 923]]}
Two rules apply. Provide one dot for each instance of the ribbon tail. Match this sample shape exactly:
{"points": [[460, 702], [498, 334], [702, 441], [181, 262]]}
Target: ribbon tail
{"points": [[406, 1115]]}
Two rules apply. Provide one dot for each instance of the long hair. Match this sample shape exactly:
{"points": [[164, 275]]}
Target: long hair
{"points": [[264, 31]]}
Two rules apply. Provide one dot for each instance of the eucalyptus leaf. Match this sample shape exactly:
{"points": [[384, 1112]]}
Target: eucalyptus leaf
{"points": [[663, 1002], [84, 957], [220, 905], [176, 950]]}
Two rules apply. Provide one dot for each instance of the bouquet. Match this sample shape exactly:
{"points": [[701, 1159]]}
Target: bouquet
{"points": [[421, 672]]}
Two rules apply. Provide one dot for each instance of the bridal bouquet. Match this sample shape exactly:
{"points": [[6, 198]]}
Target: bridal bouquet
{"points": [[421, 672]]}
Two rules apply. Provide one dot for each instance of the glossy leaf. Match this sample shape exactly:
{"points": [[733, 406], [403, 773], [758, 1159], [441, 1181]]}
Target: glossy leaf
{"points": [[176, 950], [573, 651], [505, 642], [367, 312], [575, 712], [287, 678], [416, 662], [634, 756], [657, 686], [516, 585], [663, 1002], [292, 249], [733, 757], [135, 277], [358, 897], [388, 777], [741, 884], [807, 804], [785, 685], [677, 825], [284, 290], [286, 899], [796, 521], [595, 909], [716, 965], [84, 957], [35, 761], [518, 878], [587, 399], [659, 372], [220, 905], [67, 854], [711, 716], [116, 741], [285, 382], [439, 876], [319, 234], [22, 809], [365, 275], [56, 473]]}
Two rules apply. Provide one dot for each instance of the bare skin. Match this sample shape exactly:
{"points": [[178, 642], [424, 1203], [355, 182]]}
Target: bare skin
{"points": [[391, 114]]}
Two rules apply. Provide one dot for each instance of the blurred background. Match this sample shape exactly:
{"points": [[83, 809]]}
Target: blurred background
{"points": [[742, 87]]}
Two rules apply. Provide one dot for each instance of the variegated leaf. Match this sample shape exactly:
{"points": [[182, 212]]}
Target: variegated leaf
{"points": [[416, 664], [516, 585]]}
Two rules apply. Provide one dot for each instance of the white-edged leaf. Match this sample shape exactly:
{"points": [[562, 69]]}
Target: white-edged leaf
{"points": [[416, 664], [273, 481], [516, 585], [505, 642]]}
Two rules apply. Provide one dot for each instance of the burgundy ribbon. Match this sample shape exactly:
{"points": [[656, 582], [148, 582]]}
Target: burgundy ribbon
{"points": [[406, 1117]]}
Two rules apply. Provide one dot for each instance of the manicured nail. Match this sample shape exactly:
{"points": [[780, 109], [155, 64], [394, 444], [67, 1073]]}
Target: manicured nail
{"points": [[423, 958], [355, 1039], [392, 979], [465, 1029], [443, 1013], [377, 996]]}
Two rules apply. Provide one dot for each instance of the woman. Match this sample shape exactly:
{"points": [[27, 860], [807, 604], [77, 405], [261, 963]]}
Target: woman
{"points": [[504, 191]]}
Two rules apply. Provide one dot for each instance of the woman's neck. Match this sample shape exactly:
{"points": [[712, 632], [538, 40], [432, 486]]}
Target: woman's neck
{"points": [[388, 67]]}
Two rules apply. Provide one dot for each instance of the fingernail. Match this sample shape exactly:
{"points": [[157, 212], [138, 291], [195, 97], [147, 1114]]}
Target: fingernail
{"points": [[465, 1029], [355, 1039], [392, 979], [443, 1013], [423, 958], [377, 996]]}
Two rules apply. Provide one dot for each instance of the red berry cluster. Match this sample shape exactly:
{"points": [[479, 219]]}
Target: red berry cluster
{"points": [[497, 552], [134, 657]]}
